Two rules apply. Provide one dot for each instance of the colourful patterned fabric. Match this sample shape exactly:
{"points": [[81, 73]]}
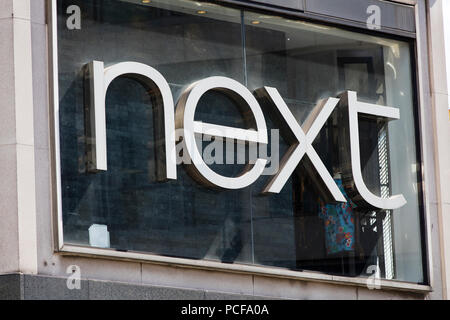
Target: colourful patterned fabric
{"points": [[339, 224]]}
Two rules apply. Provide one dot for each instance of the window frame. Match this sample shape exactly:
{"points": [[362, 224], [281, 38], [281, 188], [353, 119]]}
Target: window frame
{"points": [[85, 251]]}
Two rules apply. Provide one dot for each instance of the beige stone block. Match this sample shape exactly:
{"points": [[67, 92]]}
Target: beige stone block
{"points": [[44, 218], [40, 86], [434, 251], [21, 8], [197, 279], [9, 246], [38, 11], [375, 294], [445, 243], [441, 105], [7, 97], [6, 9], [26, 209], [299, 290], [438, 66], [91, 268], [23, 83]]}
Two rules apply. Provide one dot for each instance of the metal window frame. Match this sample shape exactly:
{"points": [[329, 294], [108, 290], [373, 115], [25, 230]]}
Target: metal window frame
{"points": [[420, 70]]}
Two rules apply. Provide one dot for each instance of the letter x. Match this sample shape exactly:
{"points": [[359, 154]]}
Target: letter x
{"points": [[302, 139]]}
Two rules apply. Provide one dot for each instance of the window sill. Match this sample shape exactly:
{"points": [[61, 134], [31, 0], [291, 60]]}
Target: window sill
{"points": [[72, 250]]}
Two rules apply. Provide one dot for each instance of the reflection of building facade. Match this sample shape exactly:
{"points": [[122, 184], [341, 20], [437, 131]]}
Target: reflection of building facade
{"points": [[149, 233]]}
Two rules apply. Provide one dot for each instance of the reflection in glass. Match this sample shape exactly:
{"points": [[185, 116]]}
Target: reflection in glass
{"points": [[187, 41]]}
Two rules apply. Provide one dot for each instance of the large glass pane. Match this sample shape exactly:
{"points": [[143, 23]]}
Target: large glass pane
{"points": [[128, 208], [178, 218], [308, 62]]}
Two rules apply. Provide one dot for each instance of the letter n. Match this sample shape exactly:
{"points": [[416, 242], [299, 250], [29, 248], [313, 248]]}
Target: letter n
{"points": [[98, 80]]}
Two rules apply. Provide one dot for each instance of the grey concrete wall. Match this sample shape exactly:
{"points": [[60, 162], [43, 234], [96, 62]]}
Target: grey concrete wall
{"points": [[105, 278], [32, 287]]}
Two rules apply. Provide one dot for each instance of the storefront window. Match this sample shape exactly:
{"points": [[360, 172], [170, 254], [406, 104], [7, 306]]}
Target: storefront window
{"points": [[127, 208]]}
